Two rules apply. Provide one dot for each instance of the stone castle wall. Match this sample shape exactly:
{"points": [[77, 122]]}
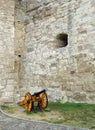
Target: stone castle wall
{"points": [[66, 72], [20, 16], [38, 58], [6, 50], [11, 47]]}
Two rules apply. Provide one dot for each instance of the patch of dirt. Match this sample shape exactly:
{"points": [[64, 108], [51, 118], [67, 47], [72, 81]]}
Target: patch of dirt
{"points": [[46, 115]]}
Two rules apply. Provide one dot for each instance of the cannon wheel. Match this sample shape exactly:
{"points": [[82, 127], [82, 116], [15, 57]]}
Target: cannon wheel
{"points": [[28, 106], [43, 100]]}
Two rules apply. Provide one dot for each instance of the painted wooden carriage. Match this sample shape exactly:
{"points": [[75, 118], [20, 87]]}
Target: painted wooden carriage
{"points": [[38, 100]]}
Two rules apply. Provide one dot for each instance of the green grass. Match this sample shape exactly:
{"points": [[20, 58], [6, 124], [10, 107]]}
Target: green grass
{"points": [[9, 109], [38, 112], [79, 114]]}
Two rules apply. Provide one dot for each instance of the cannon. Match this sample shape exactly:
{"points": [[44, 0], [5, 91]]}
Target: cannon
{"points": [[38, 100]]}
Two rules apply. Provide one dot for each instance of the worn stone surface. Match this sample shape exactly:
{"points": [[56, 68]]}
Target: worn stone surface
{"points": [[61, 70], [6, 48], [31, 56], [20, 9]]}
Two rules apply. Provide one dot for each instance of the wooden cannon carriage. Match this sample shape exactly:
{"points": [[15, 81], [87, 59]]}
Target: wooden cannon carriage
{"points": [[39, 98]]}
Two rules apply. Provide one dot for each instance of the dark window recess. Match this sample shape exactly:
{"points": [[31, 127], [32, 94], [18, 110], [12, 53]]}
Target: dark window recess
{"points": [[19, 55], [62, 40]]}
